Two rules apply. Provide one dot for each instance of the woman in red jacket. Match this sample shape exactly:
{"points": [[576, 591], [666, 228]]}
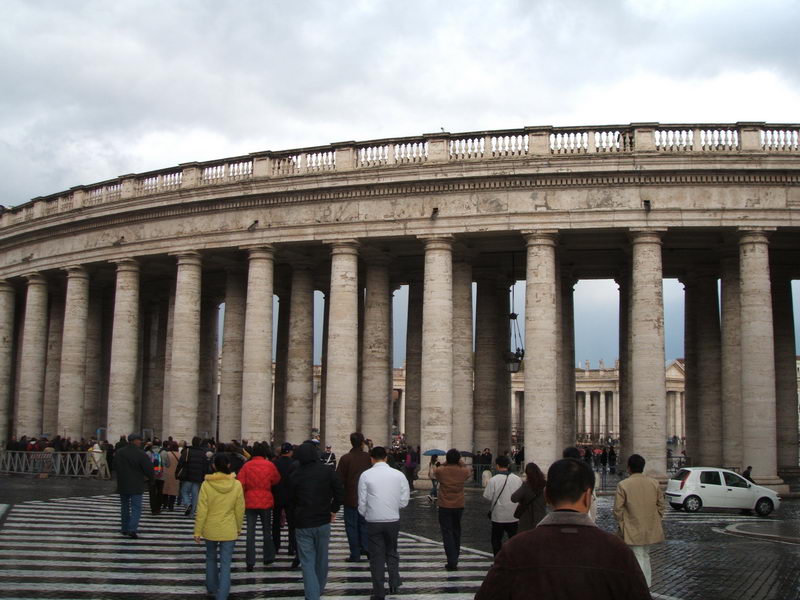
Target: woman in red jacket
{"points": [[257, 477]]}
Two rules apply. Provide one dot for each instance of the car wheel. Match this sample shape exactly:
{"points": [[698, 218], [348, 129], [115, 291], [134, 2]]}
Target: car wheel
{"points": [[676, 506], [692, 504], [764, 506]]}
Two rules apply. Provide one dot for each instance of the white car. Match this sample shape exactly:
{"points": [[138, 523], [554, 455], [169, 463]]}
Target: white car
{"points": [[693, 488]]}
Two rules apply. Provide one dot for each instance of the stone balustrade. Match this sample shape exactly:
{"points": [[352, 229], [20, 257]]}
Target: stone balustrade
{"points": [[530, 143]]}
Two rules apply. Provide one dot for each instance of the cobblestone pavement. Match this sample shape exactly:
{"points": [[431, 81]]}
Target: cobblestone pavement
{"points": [[67, 547]]}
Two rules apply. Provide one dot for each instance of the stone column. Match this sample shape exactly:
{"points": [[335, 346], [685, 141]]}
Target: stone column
{"points": [[731, 365], [758, 358], [624, 403], [257, 353], [323, 371], [341, 394], [154, 347], [541, 369], [670, 400], [462, 357], [230, 402], [437, 345], [580, 412], [648, 377], [595, 396], [182, 405], [300, 357], [55, 330], [93, 379], [209, 357], [785, 369], [122, 389], [376, 384], [281, 367], [691, 381], [503, 389], [7, 302], [73, 356], [170, 326], [487, 350], [610, 429], [413, 417], [33, 360], [709, 370]]}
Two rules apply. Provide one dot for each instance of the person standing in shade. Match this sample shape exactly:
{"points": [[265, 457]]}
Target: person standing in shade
{"points": [[498, 491], [350, 468], [286, 465], [531, 506], [451, 477], [257, 477], [315, 495], [220, 511], [382, 492], [134, 468], [639, 510]]}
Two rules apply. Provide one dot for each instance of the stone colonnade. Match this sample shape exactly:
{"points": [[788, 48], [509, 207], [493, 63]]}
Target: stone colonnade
{"points": [[158, 357]]}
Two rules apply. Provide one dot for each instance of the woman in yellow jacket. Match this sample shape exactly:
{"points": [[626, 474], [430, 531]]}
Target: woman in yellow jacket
{"points": [[220, 512]]}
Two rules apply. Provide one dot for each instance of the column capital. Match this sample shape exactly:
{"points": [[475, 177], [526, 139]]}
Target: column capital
{"points": [[259, 250], [437, 242], [646, 235], [35, 279], [754, 235], [76, 272], [126, 264], [346, 246], [540, 237], [376, 258], [5, 286]]}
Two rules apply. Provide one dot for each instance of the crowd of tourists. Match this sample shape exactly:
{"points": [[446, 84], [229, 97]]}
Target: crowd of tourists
{"points": [[300, 490]]}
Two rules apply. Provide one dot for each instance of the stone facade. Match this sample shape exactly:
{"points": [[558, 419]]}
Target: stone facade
{"points": [[637, 203]]}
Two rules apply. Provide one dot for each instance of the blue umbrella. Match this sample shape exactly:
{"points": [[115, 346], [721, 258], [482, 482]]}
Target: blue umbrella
{"points": [[434, 452]]}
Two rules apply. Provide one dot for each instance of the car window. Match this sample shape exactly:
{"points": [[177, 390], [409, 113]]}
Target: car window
{"points": [[681, 475], [710, 477], [733, 480]]}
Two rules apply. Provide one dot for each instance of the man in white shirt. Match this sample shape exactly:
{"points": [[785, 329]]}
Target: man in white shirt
{"points": [[498, 491], [382, 492]]}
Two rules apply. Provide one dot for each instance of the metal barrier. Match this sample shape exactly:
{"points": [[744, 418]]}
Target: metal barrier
{"points": [[58, 464]]}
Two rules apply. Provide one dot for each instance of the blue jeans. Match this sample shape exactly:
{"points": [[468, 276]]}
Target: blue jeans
{"points": [[130, 512], [252, 516], [218, 571], [312, 550], [356, 528], [190, 492]]}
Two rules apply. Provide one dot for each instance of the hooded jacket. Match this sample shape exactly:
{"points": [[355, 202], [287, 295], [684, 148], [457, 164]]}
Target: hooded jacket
{"points": [[315, 490], [220, 508], [257, 476]]}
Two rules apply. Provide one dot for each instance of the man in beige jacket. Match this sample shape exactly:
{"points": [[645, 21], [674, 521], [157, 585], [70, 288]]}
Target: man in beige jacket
{"points": [[639, 509]]}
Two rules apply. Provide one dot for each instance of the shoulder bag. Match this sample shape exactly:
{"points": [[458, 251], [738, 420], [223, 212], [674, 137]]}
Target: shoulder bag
{"points": [[496, 500]]}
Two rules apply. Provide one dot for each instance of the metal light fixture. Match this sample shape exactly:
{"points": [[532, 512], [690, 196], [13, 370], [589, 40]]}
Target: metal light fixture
{"points": [[513, 360]]}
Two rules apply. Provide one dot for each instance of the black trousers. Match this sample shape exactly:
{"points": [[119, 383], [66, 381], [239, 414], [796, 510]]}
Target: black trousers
{"points": [[383, 555], [276, 528], [498, 529], [156, 496], [450, 522]]}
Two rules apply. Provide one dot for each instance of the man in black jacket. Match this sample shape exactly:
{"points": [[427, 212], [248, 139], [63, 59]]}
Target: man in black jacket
{"points": [[133, 469], [280, 493], [191, 470], [316, 493]]}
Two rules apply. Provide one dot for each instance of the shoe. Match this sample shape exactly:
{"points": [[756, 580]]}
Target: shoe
{"points": [[250, 568], [133, 535], [188, 511], [295, 564], [394, 589], [123, 533], [450, 567], [268, 562], [352, 559]]}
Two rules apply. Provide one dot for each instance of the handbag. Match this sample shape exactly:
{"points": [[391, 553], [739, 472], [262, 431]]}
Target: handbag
{"points": [[180, 474], [496, 500]]}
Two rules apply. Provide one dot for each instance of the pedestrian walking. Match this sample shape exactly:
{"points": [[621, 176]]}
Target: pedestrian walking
{"points": [[316, 493], [747, 474], [451, 477], [639, 510], [192, 469], [257, 477], [566, 556], [382, 492], [434, 493], [286, 465], [134, 470], [169, 460], [498, 491], [350, 468], [220, 510], [156, 491], [531, 505], [574, 452]]}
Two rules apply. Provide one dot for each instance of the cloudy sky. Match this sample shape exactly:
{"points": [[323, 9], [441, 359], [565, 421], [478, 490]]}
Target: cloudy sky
{"points": [[93, 90]]}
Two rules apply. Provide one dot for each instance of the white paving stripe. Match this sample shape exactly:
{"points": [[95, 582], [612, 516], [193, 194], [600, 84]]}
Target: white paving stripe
{"points": [[79, 549]]}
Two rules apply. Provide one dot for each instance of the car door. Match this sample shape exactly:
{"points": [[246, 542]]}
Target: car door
{"points": [[711, 491], [738, 493]]}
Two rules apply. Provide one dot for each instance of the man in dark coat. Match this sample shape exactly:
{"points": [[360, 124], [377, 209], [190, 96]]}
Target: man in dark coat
{"points": [[193, 466], [566, 556], [280, 493], [316, 493], [134, 468], [350, 468]]}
